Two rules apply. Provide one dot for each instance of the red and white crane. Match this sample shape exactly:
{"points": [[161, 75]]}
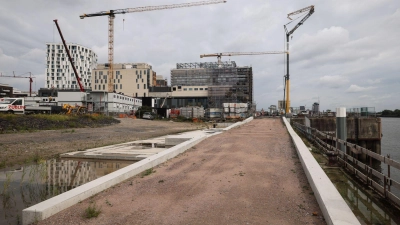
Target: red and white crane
{"points": [[111, 15]]}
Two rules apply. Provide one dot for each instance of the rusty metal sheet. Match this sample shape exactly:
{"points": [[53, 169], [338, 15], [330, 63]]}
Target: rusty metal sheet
{"points": [[393, 163]]}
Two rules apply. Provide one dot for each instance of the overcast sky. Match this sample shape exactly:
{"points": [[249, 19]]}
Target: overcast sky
{"points": [[345, 55]]}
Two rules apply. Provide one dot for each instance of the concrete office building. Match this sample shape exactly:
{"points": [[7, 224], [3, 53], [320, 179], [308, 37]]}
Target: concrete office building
{"points": [[59, 72], [131, 79], [226, 82]]}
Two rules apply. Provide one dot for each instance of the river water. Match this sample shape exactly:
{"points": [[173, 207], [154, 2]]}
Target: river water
{"points": [[391, 144]]}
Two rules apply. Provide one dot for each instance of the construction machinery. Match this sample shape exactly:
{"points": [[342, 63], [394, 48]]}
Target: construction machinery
{"points": [[73, 109], [219, 55], [310, 10], [78, 79], [30, 80], [111, 15]]}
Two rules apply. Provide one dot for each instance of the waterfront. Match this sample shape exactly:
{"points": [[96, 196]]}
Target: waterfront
{"points": [[391, 143]]}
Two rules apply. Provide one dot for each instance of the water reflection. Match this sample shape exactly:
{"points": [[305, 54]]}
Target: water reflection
{"points": [[29, 185], [363, 206]]}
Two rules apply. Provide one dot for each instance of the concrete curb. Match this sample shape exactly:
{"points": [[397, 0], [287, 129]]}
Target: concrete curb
{"points": [[60, 202], [332, 205], [238, 124]]}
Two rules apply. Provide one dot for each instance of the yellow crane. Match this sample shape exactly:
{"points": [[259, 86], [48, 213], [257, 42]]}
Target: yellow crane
{"points": [[310, 10], [111, 15], [219, 55]]}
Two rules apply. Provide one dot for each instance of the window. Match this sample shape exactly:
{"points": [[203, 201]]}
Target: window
{"points": [[144, 86], [137, 86], [117, 73], [104, 87], [190, 89], [206, 89], [100, 72], [196, 89], [185, 89], [120, 86], [201, 89], [174, 89]]}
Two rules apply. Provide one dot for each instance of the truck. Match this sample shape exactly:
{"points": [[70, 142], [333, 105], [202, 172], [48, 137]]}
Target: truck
{"points": [[17, 106]]}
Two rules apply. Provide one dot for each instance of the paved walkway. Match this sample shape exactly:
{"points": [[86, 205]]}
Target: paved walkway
{"points": [[248, 175]]}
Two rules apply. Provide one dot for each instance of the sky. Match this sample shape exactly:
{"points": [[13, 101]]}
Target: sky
{"points": [[345, 55]]}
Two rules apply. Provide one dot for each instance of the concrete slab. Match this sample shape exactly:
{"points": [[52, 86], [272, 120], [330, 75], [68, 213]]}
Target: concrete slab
{"points": [[332, 205]]}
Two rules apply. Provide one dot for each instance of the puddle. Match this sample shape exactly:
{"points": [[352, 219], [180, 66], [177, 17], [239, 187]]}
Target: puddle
{"points": [[29, 185], [147, 145], [367, 209]]}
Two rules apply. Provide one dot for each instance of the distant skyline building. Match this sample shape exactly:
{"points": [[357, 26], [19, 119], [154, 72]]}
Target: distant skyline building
{"points": [[132, 79], [59, 72]]}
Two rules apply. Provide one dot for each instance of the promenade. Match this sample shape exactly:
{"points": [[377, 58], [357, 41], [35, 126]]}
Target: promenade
{"points": [[247, 175]]}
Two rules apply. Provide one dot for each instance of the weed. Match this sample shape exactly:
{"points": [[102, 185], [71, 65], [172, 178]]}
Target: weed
{"points": [[241, 173], [305, 187], [3, 164], [293, 170], [36, 157], [301, 206], [161, 181], [92, 211], [148, 172]]}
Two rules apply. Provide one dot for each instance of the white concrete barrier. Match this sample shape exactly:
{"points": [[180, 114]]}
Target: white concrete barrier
{"points": [[238, 124], [333, 206], [60, 202]]}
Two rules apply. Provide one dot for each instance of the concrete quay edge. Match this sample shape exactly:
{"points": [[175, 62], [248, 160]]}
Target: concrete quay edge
{"points": [[333, 206], [67, 199]]}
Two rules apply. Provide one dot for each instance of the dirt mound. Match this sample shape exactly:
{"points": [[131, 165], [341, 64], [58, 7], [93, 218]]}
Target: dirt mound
{"points": [[20, 123]]}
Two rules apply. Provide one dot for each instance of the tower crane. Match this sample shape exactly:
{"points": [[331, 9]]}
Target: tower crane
{"points": [[310, 10], [30, 81], [111, 15], [219, 55]]}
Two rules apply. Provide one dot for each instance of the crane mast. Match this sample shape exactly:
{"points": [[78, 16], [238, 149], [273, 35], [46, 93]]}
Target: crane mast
{"points": [[288, 33], [111, 16], [219, 55]]}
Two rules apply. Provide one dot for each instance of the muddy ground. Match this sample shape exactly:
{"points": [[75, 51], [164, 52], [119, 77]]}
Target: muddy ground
{"points": [[24, 147]]}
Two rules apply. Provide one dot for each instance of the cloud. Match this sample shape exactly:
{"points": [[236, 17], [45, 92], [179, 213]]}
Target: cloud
{"points": [[333, 81], [376, 81], [355, 88]]}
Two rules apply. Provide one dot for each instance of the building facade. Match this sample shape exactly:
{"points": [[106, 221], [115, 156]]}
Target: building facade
{"points": [[59, 72], [226, 82], [131, 79]]}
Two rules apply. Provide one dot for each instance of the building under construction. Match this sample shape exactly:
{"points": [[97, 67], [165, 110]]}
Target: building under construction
{"points": [[226, 82]]}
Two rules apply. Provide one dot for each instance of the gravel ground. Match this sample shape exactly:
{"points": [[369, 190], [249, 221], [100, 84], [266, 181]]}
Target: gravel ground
{"points": [[19, 148], [249, 175]]}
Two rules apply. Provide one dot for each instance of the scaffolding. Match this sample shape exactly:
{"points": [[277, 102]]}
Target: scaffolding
{"points": [[226, 82]]}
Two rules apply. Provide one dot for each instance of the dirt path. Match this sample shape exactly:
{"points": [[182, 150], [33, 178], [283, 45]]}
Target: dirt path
{"points": [[24, 147], [249, 175]]}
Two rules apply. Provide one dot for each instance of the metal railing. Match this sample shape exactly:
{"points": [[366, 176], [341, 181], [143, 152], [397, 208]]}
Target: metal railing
{"points": [[379, 182]]}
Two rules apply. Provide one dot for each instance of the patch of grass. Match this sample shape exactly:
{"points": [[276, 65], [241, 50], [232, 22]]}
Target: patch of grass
{"points": [[92, 211], [108, 203], [36, 157], [293, 170], [147, 172], [161, 181], [3, 164]]}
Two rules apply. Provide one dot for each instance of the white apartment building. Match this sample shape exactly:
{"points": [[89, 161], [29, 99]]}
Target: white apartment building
{"points": [[131, 79], [59, 72]]}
